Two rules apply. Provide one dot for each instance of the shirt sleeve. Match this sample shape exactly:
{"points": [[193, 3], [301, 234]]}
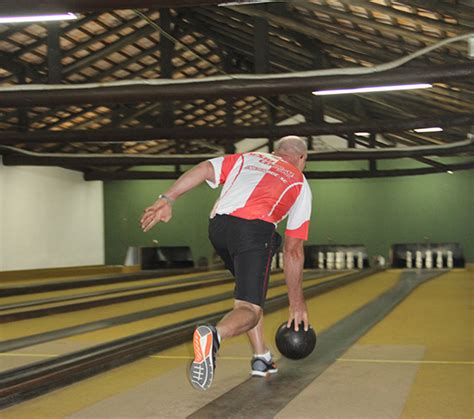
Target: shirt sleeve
{"points": [[300, 214], [222, 167]]}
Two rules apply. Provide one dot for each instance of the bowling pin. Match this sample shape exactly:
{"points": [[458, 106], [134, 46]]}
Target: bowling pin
{"points": [[409, 261], [330, 260], [339, 260], [429, 259], [418, 259], [450, 259], [320, 260], [360, 260], [350, 260], [439, 259]]}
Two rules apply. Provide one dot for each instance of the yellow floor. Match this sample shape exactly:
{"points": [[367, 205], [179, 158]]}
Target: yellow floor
{"points": [[170, 366], [438, 316]]}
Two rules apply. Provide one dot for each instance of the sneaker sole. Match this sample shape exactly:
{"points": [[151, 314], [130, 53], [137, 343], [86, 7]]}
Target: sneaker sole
{"points": [[202, 368], [263, 374]]}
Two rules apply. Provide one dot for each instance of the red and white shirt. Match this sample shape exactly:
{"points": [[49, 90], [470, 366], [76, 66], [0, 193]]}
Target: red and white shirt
{"points": [[265, 187]]}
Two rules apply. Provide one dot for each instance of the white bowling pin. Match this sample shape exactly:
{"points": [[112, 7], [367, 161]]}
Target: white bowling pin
{"points": [[450, 262], [320, 260], [439, 259], [418, 259], [330, 260], [360, 260], [429, 259], [409, 260], [350, 260]]}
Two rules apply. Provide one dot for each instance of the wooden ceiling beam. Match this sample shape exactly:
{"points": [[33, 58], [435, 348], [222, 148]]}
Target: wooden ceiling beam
{"points": [[19, 158], [353, 174], [225, 132], [312, 32], [415, 18], [464, 14], [383, 27], [27, 7], [30, 95]]}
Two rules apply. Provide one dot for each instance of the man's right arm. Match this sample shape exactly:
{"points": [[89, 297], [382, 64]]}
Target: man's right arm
{"points": [[293, 259], [161, 210]]}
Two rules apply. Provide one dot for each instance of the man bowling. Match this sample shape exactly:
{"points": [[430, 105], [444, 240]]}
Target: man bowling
{"points": [[259, 190]]}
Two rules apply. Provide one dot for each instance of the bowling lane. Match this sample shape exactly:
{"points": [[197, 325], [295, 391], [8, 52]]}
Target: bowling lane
{"points": [[13, 278], [57, 321], [82, 298], [107, 287], [157, 386], [103, 335], [417, 363]]}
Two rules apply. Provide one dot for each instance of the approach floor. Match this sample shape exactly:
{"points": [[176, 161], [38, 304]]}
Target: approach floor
{"points": [[415, 363]]}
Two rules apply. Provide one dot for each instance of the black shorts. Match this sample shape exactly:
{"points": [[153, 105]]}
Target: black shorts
{"points": [[246, 247]]}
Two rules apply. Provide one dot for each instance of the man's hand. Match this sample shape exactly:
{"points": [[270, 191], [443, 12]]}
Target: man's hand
{"points": [[298, 314], [293, 256], [160, 211]]}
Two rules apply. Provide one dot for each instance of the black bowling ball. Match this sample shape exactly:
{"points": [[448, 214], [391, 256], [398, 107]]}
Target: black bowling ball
{"points": [[295, 345]]}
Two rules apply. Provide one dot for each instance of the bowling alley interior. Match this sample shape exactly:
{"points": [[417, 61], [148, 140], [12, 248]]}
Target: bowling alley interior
{"points": [[105, 105]]}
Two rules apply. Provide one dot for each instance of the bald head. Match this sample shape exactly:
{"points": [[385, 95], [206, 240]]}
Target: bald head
{"points": [[293, 149], [291, 144]]}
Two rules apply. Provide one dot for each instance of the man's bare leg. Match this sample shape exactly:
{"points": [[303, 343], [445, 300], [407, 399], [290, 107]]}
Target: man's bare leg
{"points": [[257, 338], [244, 317]]}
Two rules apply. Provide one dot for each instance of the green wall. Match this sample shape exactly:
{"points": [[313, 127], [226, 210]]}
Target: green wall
{"points": [[375, 212], [124, 205]]}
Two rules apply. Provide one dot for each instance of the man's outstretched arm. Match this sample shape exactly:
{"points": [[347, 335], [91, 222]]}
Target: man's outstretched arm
{"points": [[161, 210], [293, 259]]}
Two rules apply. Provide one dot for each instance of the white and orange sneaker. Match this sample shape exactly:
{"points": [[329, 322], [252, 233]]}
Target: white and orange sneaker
{"points": [[206, 344]]}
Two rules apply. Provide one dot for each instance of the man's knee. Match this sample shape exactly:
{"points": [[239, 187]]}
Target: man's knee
{"points": [[255, 309]]}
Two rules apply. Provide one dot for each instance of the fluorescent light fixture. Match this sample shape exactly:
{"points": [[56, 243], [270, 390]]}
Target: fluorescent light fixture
{"points": [[362, 134], [369, 89], [430, 129], [37, 18], [449, 172]]}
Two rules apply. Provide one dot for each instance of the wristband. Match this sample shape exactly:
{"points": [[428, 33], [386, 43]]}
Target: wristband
{"points": [[166, 198]]}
